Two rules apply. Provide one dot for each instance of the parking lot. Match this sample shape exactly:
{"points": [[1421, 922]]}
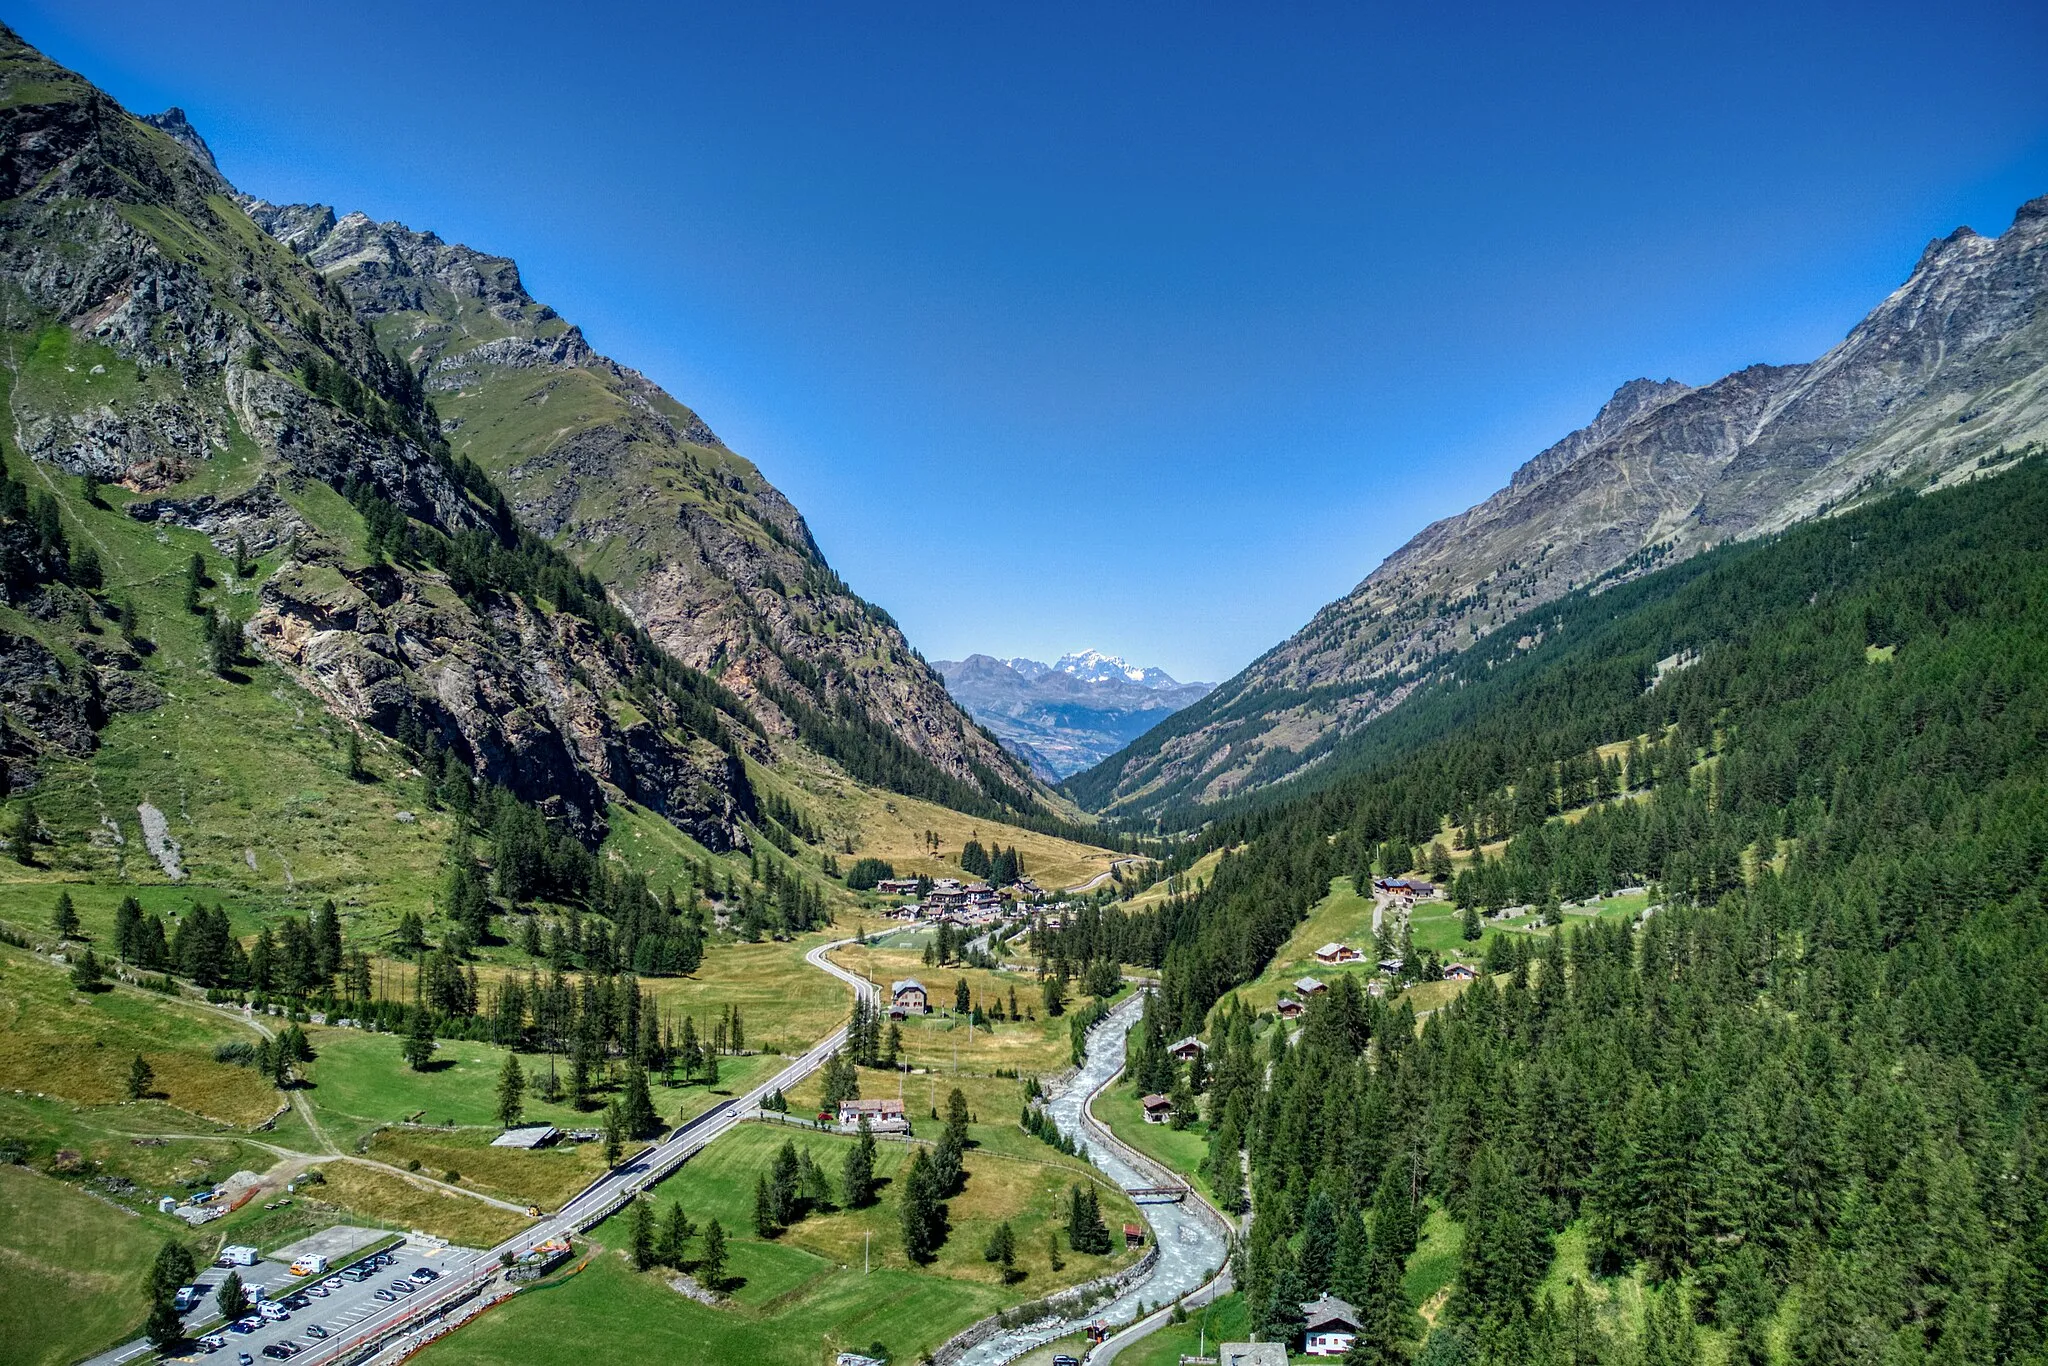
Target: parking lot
{"points": [[318, 1308]]}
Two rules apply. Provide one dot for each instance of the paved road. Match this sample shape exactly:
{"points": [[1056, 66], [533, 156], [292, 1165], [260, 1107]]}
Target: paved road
{"points": [[597, 1201], [1092, 883]]}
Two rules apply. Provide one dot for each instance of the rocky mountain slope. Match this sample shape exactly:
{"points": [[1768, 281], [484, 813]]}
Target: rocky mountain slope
{"points": [[1942, 376], [214, 379], [688, 536], [1069, 715], [157, 341]]}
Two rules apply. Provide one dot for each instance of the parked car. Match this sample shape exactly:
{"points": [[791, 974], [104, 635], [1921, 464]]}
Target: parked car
{"points": [[275, 1312], [331, 1283], [403, 1286], [423, 1274], [385, 1295], [291, 1349], [248, 1325], [213, 1342], [276, 1352], [321, 1290], [297, 1302], [247, 1360], [315, 1331]]}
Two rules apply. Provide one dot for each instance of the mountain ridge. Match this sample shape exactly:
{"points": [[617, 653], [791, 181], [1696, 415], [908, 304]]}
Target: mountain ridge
{"points": [[689, 537], [1066, 716], [1949, 367]]}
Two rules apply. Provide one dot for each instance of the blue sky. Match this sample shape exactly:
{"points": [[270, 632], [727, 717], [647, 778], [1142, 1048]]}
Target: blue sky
{"points": [[1145, 327]]}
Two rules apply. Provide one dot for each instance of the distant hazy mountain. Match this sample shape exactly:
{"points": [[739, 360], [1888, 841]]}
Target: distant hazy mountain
{"points": [[1070, 714]]}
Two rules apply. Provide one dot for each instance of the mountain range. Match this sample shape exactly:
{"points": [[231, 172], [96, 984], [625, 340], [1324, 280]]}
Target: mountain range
{"points": [[1944, 378], [280, 378], [1071, 714]]}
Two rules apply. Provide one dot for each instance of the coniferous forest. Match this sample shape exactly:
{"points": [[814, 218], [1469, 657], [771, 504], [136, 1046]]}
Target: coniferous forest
{"points": [[1802, 1101]]}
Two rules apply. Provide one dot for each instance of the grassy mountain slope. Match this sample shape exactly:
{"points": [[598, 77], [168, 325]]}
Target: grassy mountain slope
{"points": [[1942, 375]]}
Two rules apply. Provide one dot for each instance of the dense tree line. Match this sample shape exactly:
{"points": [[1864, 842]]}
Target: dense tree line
{"points": [[1806, 1093]]}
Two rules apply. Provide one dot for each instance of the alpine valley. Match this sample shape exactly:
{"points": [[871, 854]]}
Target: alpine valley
{"points": [[478, 887]]}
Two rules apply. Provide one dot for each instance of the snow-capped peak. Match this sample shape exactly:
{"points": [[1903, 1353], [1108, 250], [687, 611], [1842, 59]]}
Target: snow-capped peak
{"points": [[1094, 666]]}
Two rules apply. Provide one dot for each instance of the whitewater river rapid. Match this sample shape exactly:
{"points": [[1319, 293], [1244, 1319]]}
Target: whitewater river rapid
{"points": [[1192, 1240]]}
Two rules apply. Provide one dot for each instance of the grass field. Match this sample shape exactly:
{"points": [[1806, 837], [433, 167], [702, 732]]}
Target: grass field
{"points": [[1179, 1150], [1041, 1045], [367, 1195], [802, 1295], [71, 1270], [61, 1042], [892, 827]]}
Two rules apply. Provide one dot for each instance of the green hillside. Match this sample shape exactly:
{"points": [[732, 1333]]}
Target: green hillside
{"points": [[1790, 1115]]}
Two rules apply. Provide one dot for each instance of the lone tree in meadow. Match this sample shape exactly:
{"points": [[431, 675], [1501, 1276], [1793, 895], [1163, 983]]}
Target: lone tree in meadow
{"points": [[88, 973], [711, 1266], [511, 1091], [64, 919], [141, 1076], [419, 1041]]}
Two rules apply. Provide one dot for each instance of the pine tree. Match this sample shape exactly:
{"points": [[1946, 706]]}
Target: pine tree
{"points": [[1501, 1259], [920, 1213], [21, 835], [1319, 1238], [164, 1328], [1383, 1311], [1002, 1250], [1085, 1229], [711, 1266], [511, 1091], [857, 1183], [88, 973], [64, 919], [643, 1234], [418, 1049], [676, 1233], [141, 1076], [784, 1180], [638, 1114], [1826, 1331], [231, 1299], [614, 1135]]}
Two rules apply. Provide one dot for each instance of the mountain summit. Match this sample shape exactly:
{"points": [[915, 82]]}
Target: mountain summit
{"points": [[1093, 666], [1938, 381], [1068, 715]]}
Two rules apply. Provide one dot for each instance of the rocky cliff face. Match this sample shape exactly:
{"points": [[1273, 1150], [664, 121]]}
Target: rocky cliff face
{"points": [[1068, 716], [1946, 372], [703, 551], [156, 338]]}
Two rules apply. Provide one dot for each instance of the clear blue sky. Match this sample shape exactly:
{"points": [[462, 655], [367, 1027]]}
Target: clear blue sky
{"points": [[1151, 328]]}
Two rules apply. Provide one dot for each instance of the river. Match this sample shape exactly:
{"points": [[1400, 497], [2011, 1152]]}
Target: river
{"points": [[1192, 1242]]}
